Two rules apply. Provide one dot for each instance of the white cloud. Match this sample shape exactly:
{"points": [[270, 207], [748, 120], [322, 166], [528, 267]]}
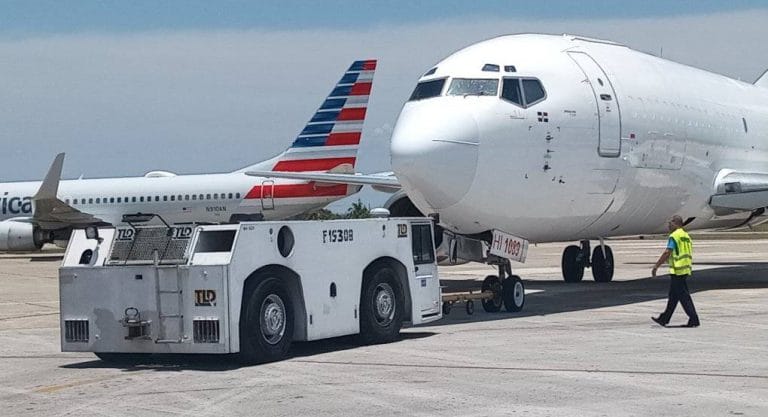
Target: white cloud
{"points": [[122, 104]]}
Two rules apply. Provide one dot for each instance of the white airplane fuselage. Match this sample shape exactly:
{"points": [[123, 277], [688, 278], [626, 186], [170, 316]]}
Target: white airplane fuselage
{"points": [[204, 198], [621, 141]]}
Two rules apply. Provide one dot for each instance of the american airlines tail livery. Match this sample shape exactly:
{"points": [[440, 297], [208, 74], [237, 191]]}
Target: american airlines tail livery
{"points": [[544, 138], [34, 213]]}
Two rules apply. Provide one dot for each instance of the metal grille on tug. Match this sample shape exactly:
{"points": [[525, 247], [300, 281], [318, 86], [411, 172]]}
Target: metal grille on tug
{"points": [[140, 248], [205, 331], [332, 136], [76, 331]]}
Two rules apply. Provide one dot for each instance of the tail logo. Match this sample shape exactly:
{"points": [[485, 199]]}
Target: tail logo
{"points": [[331, 138]]}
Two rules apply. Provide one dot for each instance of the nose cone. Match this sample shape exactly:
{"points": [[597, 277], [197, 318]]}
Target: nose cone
{"points": [[434, 151]]}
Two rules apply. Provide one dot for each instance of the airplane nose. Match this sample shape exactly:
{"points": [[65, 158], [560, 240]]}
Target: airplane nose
{"points": [[434, 151]]}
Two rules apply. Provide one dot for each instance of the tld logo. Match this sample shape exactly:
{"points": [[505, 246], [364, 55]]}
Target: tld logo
{"points": [[181, 232], [205, 298]]}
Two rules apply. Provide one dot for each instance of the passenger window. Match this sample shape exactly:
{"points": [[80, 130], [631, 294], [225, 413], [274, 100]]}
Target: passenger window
{"points": [[119, 199], [237, 195], [74, 201], [165, 198], [194, 197], [90, 201], [133, 199], [534, 92], [207, 196], [423, 250], [111, 199], [230, 196], [510, 91], [98, 201], [173, 198], [141, 199], [186, 197], [427, 89], [473, 87]]}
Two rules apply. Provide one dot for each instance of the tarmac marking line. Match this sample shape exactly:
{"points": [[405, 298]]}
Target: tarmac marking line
{"points": [[29, 315], [542, 369], [55, 388]]}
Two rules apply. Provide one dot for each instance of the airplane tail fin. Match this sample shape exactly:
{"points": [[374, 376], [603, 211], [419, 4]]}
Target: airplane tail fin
{"points": [[330, 139], [763, 80]]}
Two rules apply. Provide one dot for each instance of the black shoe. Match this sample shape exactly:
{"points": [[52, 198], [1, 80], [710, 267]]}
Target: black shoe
{"points": [[692, 324], [659, 321]]}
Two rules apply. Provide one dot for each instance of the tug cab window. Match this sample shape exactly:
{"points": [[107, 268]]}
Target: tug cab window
{"points": [[423, 251], [524, 92], [427, 89], [215, 241], [473, 87]]}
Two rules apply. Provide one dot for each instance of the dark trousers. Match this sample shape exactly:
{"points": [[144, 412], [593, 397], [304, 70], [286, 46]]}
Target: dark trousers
{"points": [[678, 291]]}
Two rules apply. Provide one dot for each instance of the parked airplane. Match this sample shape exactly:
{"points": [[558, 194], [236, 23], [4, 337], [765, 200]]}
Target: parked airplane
{"points": [[34, 213], [565, 138]]}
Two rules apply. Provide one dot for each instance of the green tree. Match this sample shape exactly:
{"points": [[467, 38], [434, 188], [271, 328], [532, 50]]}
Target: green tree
{"points": [[358, 211], [319, 214]]}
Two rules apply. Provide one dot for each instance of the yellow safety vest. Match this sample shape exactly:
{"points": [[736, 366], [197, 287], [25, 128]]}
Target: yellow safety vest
{"points": [[681, 258]]}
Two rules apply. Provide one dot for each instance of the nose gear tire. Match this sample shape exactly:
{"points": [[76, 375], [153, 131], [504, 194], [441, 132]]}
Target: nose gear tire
{"points": [[513, 293], [492, 283]]}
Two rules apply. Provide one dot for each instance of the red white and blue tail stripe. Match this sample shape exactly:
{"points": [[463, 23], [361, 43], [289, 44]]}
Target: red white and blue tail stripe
{"points": [[331, 138]]}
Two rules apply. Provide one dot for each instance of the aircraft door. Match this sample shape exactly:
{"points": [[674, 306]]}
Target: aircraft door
{"points": [[608, 113], [268, 195]]}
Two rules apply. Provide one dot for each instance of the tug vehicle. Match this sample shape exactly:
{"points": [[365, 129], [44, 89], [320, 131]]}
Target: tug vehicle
{"points": [[250, 288]]}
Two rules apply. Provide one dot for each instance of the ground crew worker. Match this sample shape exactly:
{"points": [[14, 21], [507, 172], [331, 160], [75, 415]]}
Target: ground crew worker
{"points": [[679, 253]]}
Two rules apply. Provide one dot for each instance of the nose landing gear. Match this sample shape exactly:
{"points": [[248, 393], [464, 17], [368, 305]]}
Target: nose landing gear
{"points": [[576, 258], [505, 290]]}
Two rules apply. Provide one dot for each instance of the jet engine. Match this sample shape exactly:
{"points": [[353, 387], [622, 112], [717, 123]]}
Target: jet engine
{"points": [[20, 236]]}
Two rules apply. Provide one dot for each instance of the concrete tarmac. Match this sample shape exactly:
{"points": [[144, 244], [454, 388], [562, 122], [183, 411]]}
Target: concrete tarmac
{"points": [[586, 349]]}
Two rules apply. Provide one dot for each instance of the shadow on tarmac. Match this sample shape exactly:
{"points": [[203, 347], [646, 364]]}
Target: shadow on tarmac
{"points": [[549, 297], [552, 297], [217, 363]]}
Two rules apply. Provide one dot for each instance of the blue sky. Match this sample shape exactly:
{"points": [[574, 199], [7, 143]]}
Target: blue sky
{"points": [[126, 87], [24, 17]]}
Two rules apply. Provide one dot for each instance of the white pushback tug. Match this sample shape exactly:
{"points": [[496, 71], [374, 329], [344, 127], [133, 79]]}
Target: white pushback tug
{"points": [[250, 288]]}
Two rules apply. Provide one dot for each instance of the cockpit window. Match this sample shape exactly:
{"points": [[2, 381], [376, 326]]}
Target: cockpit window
{"points": [[427, 89], [524, 92], [534, 92], [510, 91], [430, 72], [473, 87], [491, 68]]}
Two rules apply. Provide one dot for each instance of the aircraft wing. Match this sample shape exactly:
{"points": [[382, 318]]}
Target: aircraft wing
{"points": [[52, 213], [383, 182], [741, 191]]}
